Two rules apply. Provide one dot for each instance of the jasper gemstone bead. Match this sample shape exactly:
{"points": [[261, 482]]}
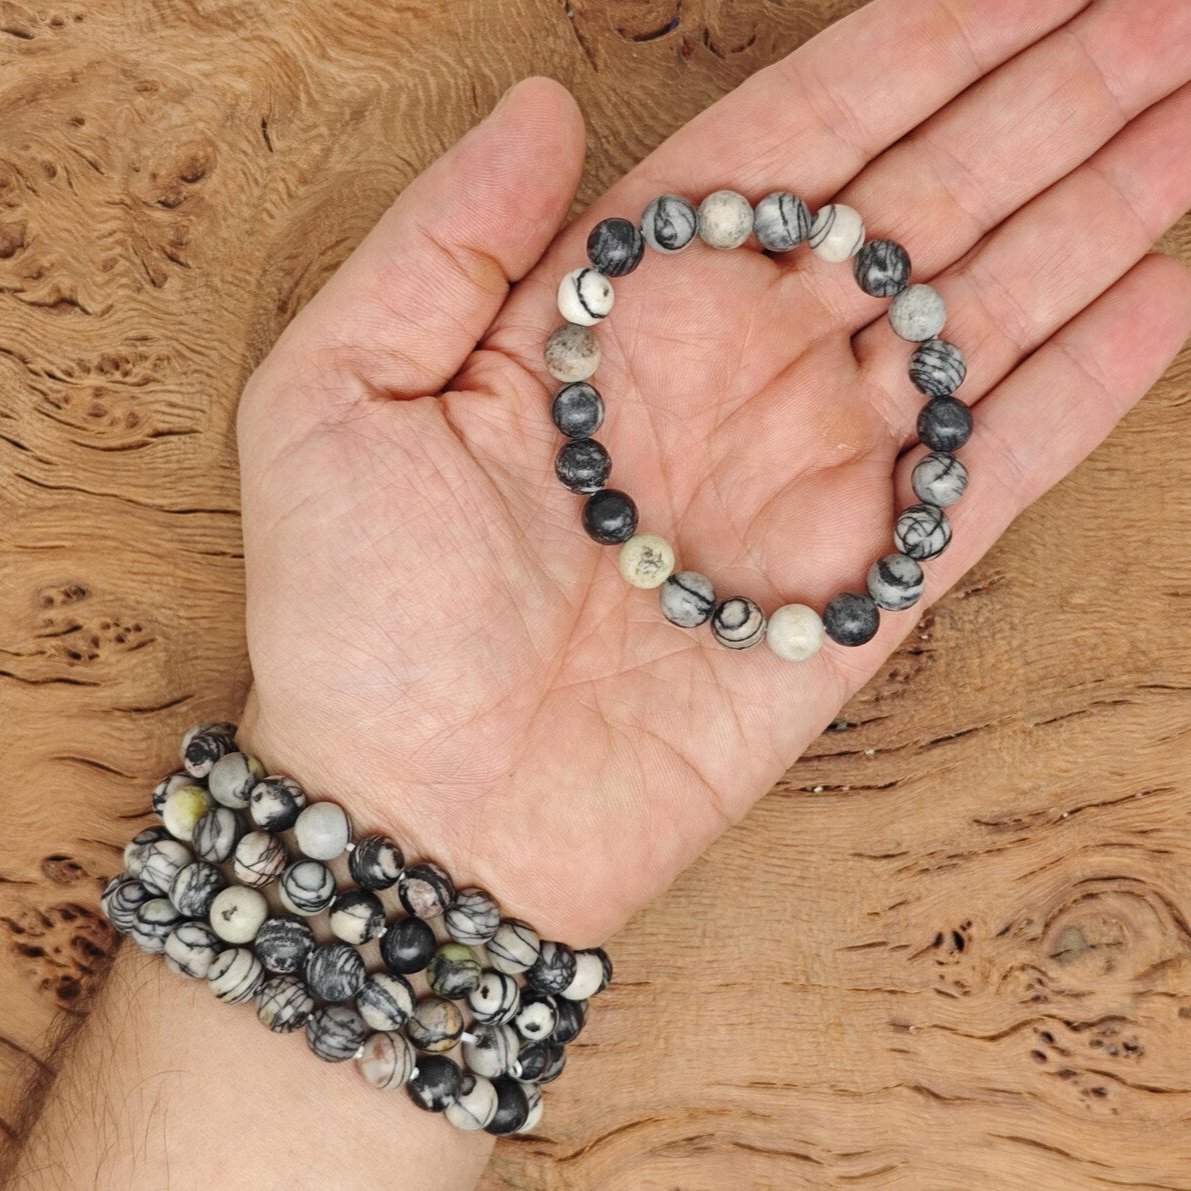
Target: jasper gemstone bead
{"points": [[426, 890], [895, 582], [646, 560], [944, 424], [585, 297], [922, 531], [275, 803], [386, 1001], [121, 897], [473, 917], [540, 1062], [591, 975], [387, 1060], [162, 791], [851, 618], [553, 970], [515, 947], [183, 809], [160, 862], [152, 922], [781, 221], [837, 233], [615, 247], [725, 219], [492, 1050], [283, 943], [572, 353], [323, 830], [204, 744], [533, 1097], [357, 916], [194, 888], [284, 1004], [583, 465], [307, 887], [610, 516], [882, 268], [937, 368], [536, 1017], [918, 313], [688, 599], [135, 848], [335, 971], [232, 778], [475, 1105], [939, 479], [435, 1085], [336, 1032], [578, 410], [795, 632], [191, 948], [407, 946], [217, 833], [669, 223], [259, 859], [572, 1017], [495, 1000], [454, 972], [376, 862], [436, 1024], [235, 975], [512, 1107], [738, 623], [237, 913]]}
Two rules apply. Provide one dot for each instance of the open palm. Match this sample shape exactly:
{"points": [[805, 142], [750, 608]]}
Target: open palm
{"points": [[434, 638]]}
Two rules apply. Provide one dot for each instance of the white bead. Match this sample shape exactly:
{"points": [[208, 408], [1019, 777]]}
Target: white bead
{"points": [[725, 219], [475, 1108], [588, 978], [237, 913], [795, 632], [837, 233], [646, 560], [183, 809], [585, 297], [322, 830]]}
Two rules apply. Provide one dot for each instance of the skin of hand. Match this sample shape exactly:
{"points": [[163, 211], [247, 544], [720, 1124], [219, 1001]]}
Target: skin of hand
{"points": [[434, 639]]}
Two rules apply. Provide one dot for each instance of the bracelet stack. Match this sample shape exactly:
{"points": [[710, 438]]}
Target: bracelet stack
{"points": [[780, 221], [194, 890]]}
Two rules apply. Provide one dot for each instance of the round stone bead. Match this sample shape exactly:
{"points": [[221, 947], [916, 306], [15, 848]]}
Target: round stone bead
{"points": [[335, 971], [669, 223], [160, 862], [260, 858], [688, 599], [357, 916], [610, 517], [882, 268], [918, 313], [217, 833], [725, 219], [583, 465], [336, 1032], [937, 368], [589, 979], [738, 623], [646, 560], [473, 917], [120, 899], [426, 890], [135, 848], [164, 789], [194, 888], [512, 1107], [895, 582], [475, 1106], [944, 424], [495, 1000], [572, 353], [407, 946], [536, 1017], [204, 744], [386, 1001], [284, 1004], [235, 975], [795, 632], [922, 531], [540, 1062], [515, 947], [387, 1060], [615, 247], [283, 943], [454, 972], [837, 233], [435, 1084], [307, 887], [436, 1024], [572, 1017], [237, 913], [276, 802], [851, 618], [191, 949], [781, 221], [152, 922], [232, 778], [492, 1050], [533, 1097], [183, 809], [585, 297], [323, 830], [578, 410], [939, 479], [375, 862]]}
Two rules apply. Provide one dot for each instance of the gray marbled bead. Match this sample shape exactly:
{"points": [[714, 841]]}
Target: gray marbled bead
{"points": [[496, 1000], [387, 1060], [533, 1097], [276, 802], [939, 479], [204, 744], [536, 1016], [918, 313], [781, 221], [232, 777], [284, 1004], [161, 861], [357, 916], [195, 887], [669, 223], [615, 247], [386, 1001], [375, 862], [895, 582], [578, 410], [435, 1084], [473, 917], [336, 1032], [426, 890], [475, 1105], [152, 922], [235, 975], [553, 970], [435, 1025], [572, 353], [540, 1062], [725, 219], [687, 599], [307, 887], [944, 424], [454, 971], [572, 1017], [851, 618], [282, 944], [514, 947], [738, 623], [323, 830], [922, 531], [191, 948], [260, 858], [120, 898], [882, 268], [165, 788], [217, 833], [937, 368], [335, 971], [492, 1050], [134, 850], [583, 465]]}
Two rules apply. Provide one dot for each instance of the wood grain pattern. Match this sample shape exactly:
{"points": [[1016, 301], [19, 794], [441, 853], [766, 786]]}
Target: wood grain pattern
{"points": [[951, 949]]}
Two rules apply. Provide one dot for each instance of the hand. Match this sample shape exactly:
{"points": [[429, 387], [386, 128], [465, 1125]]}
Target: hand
{"points": [[434, 639]]}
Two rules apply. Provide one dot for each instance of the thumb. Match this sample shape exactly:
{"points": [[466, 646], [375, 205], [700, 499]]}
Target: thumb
{"points": [[404, 310]]}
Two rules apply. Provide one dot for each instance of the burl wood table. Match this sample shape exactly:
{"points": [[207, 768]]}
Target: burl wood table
{"points": [[950, 950]]}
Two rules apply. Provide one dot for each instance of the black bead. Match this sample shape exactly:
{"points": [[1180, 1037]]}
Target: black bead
{"points": [[335, 971], [882, 268], [944, 424], [851, 619], [615, 247], [436, 1085], [578, 409], [541, 1062], [583, 465], [610, 516], [572, 1017], [512, 1107], [407, 946], [553, 970], [283, 943]]}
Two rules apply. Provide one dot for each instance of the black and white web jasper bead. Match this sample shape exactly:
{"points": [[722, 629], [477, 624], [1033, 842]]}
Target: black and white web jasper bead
{"points": [[779, 222]]}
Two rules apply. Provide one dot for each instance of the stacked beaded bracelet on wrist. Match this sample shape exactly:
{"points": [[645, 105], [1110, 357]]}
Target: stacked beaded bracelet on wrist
{"points": [[194, 890], [937, 368]]}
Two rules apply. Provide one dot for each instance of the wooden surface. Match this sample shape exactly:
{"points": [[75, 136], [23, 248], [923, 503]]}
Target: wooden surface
{"points": [[951, 950]]}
